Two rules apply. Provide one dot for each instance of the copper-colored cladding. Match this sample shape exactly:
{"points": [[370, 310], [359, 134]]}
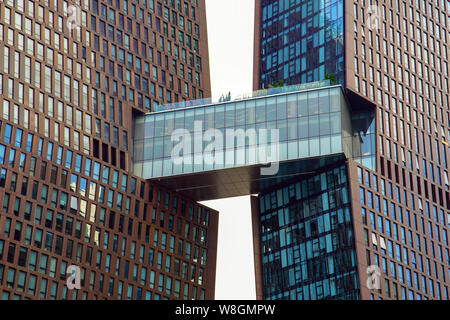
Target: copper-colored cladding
{"points": [[414, 63], [257, 248], [405, 175], [257, 47], [37, 118]]}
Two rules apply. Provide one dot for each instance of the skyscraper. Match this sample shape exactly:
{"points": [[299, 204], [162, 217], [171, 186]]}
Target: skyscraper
{"points": [[390, 239], [73, 77], [298, 42]]}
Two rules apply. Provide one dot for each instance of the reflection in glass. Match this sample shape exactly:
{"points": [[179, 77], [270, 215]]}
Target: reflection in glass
{"points": [[167, 167], [209, 119], [169, 123], [250, 112], [179, 119], [271, 109], [314, 147], [148, 149], [158, 148], [336, 143], [324, 120], [229, 114], [335, 100], [313, 126], [303, 127], [189, 120], [293, 149], [335, 122], [159, 125], [324, 101], [283, 130], [325, 145], [220, 116], [281, 107], [313, 103], [168, 147], [260, 110], [292, 106], [199, 114], [303, 148], [302, 104], [240, 114], [292, 129]]}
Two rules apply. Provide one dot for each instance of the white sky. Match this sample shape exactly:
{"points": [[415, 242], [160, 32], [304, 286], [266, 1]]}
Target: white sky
{"points": [[230, 33]]}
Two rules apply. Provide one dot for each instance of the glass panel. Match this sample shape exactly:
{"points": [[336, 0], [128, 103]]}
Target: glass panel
{"points": [[283, 152], [158, 148], [198, 162], [335, 99], [169, 123], [292, 149], [292, 129], [189, 120], [139, 129], [260, 110], [314, 147], [292, 106], [303, 127], [167, 170], [159, 125], [229, 115], [325, 145], [240, 114], [313, 126], [335, 122], [177, 168], [179, 119], [336, 143], [251, 155], [302, 104], [313, 103], [149, 127], [239, 156], [283, 130], [271, 125], [209, 119], [271, 108], [157, 168], [324, 101], [148, 149], [324, 120], [220, 117], [303, 148], [199, 114], [281, 107], [168, 147], [139, 151], [250, 112]]}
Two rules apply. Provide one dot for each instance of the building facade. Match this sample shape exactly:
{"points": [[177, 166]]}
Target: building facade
{"points": [[394, 54], [73, 76], [298, 42]]}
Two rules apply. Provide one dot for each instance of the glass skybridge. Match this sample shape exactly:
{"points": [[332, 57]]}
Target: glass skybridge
{"points": [[234, 148]]}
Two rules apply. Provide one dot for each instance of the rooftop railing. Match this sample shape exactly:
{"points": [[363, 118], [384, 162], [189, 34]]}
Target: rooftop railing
{"points": [[254, 94]]}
